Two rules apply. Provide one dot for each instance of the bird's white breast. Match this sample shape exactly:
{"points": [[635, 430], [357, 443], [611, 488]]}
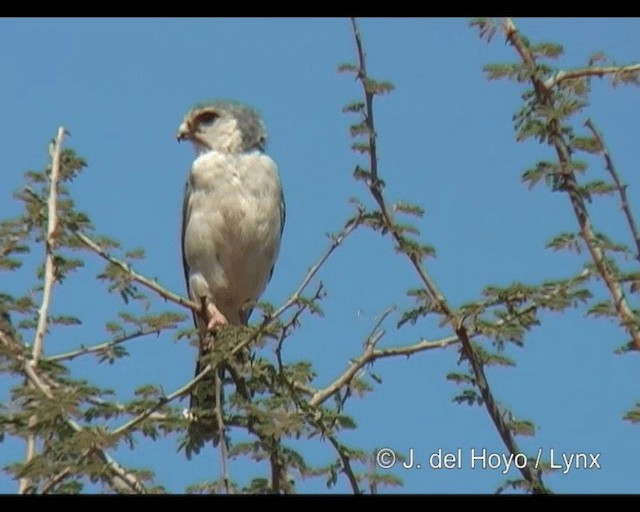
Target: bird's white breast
{"points": [[233, 225]]}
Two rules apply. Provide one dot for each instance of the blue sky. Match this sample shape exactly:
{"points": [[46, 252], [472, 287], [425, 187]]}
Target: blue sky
{"points": [[122, 86]]}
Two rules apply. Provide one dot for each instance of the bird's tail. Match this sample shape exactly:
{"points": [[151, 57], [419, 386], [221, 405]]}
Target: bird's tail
{"points": [[206, 401]]}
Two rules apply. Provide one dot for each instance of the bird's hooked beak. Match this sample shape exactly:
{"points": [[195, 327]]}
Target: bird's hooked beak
{"points": [[184, 132]]}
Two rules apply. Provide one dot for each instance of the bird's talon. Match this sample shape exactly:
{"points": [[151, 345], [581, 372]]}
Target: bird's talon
{"points": [[216, 319]]}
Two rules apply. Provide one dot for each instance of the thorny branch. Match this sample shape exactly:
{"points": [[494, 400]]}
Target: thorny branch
{"points": [[119, 475], [144, 281], [622, 189], [102, 347], [30, 367], [591, 71], [532, 477], [625, 313]]}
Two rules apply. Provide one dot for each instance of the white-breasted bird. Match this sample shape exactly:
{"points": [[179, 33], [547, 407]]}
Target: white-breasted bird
{"points": [[232, 220]]}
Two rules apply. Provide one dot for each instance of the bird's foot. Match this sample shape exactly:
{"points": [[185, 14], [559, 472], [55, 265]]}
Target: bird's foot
{"points": [[216, 319]]}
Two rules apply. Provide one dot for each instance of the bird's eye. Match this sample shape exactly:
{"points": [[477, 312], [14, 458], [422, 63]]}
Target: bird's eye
{"points": [[207, 118]]}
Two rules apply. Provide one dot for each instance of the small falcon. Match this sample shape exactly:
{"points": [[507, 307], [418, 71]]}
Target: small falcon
{"points": [[232, 217]]}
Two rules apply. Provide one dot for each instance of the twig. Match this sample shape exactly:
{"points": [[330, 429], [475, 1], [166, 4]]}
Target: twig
{"points": [[61, 475], [369, 356], [375, 187], [346, 463], [349, 227], [224, 454], [152, 285], [624, 311], [587, 72], [622, 189], [182, 391], [461, 332], [102, 346]]}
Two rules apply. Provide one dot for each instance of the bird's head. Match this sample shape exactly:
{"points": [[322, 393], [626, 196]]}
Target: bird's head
{"points": [[224, 126]]}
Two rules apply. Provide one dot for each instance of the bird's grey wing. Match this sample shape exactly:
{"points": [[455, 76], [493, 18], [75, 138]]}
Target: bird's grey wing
{"points": [[186, 213], [283, 212], [283, 218]]}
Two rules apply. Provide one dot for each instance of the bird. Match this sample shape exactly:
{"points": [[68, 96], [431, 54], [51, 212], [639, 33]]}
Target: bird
{"points": [[233, 218]]}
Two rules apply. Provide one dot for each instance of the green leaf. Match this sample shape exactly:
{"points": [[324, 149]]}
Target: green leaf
{"points": [[597, 187], [135, 254], [499, 71], [633, 415], [586, 144], [486, 27], [356, 107], [469, 397], [377, 87], [602, 309], [361, 147], [409, 209], [548, 50], [522, 428], [348, 68], [358, 129], [65, 320], [569, 241], [461, 378]]}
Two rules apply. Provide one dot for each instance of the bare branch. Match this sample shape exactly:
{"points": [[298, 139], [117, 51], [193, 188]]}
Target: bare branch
{"points": [[622, 189], [336, 241], [590, 71], [369, 356]]}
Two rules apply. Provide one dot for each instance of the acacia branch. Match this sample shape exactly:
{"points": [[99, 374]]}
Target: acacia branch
{"points": [[627, 318], [622, 189], [336, 241], [375, 187], [346, 462], [139, 278], [370, 355], [160, 402], [590, 71], [119, 475], [101, 347], [50, 242], [49, 280]]}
